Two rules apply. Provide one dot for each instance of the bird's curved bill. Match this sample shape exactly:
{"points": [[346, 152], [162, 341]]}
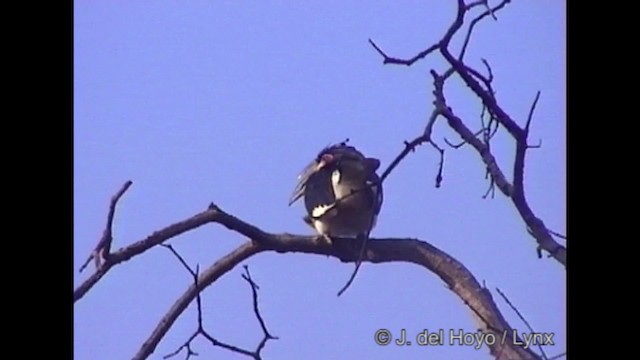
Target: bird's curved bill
{"points": [[303, 178]]}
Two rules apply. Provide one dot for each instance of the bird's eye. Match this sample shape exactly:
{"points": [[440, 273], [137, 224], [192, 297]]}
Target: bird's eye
{"points": [[327, 158]]}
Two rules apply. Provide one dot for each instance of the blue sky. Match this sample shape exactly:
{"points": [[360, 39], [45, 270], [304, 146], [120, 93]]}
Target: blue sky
{"points": [[227, 101]]}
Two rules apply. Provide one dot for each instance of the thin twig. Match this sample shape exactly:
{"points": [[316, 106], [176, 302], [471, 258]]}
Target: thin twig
{"points": [[488, 12], [409, 62], [557, 234], [463, 142], [465, 133], [558, 356], [201, 330], [452, 272], [194, 275], [475, 3], [256, 310], [440, 163], [485, 81], [103, 248], [491, 189], [363, 246], [186, 345], [487, 323], [489, 71], [514, 190], [544, 355], [409, 147], [531, 110], [212, 214]]}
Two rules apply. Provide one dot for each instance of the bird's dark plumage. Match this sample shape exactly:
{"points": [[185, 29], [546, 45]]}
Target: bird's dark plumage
{"points": [[341, 190]]}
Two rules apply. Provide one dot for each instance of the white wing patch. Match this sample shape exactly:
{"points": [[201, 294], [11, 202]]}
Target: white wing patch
{"points": [[321, 210], [335, 177]]}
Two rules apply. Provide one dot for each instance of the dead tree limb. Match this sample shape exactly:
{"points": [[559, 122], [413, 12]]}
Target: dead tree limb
{"points": [[103, 248], [202, 331], [480, 85], [415, 251]]}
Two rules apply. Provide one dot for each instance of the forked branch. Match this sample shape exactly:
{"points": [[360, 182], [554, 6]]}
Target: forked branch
{"points": [[103, 248], [481, 86], [204, 333]]}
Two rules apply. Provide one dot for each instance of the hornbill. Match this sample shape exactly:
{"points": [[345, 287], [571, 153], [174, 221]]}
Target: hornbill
{"points": [[342, 192]]}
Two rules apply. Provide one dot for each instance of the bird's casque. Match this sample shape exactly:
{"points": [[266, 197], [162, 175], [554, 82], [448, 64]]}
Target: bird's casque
{"points": [[342, 192]]}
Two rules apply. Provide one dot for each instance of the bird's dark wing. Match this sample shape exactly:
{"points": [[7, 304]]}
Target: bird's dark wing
{"points": [[318, 192], [303, 178], [377, 194], [370, 165]]}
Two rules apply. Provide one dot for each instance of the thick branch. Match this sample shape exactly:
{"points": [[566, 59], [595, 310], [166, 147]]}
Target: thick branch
{"points": [[487, 98], [452, 272], [469, 137], [139, 247], [487, 95], [515, 191]]}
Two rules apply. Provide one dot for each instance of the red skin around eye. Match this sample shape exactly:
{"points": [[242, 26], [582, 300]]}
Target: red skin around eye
{"points": [[326, 158]]}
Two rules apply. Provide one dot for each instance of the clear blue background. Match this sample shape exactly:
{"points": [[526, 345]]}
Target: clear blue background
{"points": [[223, 101]]}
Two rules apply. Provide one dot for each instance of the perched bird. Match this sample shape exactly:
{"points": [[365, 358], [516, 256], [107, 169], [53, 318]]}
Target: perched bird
{"points": [[341, 190]]}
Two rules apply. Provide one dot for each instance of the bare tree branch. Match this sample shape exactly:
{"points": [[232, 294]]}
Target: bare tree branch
{"points": [[457, 278], [481, 87], [363, 247], [139, 247], [194, 274], [256, 311], [452, 272], [557, 234], [515, 191], [489, 71], [455, 275], [459, 127], [201, 330], [103, 247], [205, 279], [479, 18], [208, 216], [390, 60], [491, 189], [463, 142], [521, 150], [531, 110]]}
